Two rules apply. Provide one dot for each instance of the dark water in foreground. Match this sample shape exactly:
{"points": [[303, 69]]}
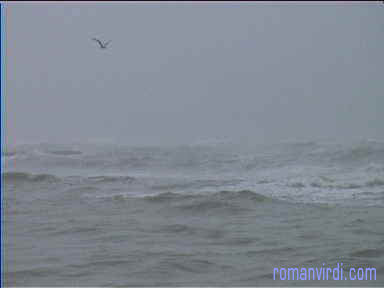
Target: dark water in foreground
{"points": [[213, 215]]}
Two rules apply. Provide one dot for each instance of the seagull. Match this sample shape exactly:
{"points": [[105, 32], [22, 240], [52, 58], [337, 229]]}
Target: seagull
{"points": [[102, 45]]}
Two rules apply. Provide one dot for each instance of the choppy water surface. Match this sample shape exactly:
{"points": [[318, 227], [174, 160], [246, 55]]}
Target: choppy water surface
{"points": [[199, 215]]}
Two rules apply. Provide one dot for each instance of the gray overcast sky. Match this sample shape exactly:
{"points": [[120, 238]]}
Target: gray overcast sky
{"points": [[181, 73]]}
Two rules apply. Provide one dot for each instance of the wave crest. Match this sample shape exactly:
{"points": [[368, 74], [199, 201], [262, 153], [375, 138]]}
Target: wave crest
{"points": [[64, 152], [20, 177], [111, 179], [217, 196]]}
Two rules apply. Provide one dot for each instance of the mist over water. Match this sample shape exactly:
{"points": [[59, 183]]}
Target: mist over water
{"points": [[207, 145], [182, 73]]}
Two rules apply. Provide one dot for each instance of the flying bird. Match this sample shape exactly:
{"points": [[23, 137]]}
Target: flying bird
{"points": [[103, 45]]}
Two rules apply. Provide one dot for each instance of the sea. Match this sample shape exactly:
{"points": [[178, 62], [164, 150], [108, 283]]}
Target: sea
{"points": [[203, 214]]}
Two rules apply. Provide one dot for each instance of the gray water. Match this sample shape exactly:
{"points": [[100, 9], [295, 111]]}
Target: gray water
{"points": [[194, 215]]}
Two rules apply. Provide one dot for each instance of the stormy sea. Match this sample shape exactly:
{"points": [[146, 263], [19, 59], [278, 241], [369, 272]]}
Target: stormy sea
{"points": [[207, 214]]}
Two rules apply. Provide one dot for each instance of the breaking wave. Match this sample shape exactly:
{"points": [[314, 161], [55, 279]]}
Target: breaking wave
{"points": [[221, 196], [223, 202], [367, 151]]}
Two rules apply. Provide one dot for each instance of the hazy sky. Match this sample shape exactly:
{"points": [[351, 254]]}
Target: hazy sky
{"points": [[181, 73]]}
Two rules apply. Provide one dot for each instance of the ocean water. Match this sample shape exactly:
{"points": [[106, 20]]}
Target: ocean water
{"points": [[193, 215]]}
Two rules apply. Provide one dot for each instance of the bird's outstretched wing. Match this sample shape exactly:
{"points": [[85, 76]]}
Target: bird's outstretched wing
{"points": [[106, 43], [98, 41]]}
